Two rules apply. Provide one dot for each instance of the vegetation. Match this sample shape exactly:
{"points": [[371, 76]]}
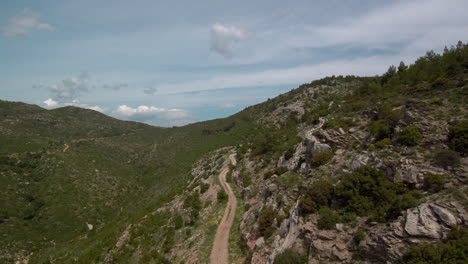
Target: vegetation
{"points": [[265, 222], [458, 137], [435, 182], [446, 158], [410, 136], [290, 257], [328, 218], [451, 251], [367, 191], [321, 158]]}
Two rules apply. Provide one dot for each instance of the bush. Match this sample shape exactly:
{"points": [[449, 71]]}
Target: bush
{"points": [[383, 143], [379, 130], [265, 222], [204, 187], [222, 196], [307, 205], [290, 257], [328, 218], [321, 158], [281, 170], [446, 158], [434, 182], [178, 221], [321, 192], [410, 136], [453, 250], [458, 137], [366, 191], [359, 236]]}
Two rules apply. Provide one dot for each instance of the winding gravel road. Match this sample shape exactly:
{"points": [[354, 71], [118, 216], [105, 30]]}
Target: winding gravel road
{"points": [[220, 250]]}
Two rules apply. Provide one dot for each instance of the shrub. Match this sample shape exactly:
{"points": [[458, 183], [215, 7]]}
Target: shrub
{"points": [[366, 191], [204, 187], [307, 205], [290, 257], [451, 251], [321, 192], [178, 221], [327, 218], [222, 196], [379, 129], [446, 158], [458, 137], [281, 170], [265, 222], [410, 136], [434, 182], [321, 158], [383, 143], [359, 236]]}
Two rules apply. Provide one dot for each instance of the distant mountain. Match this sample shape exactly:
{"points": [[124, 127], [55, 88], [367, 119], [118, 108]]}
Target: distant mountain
{"points": [[338, 170]]}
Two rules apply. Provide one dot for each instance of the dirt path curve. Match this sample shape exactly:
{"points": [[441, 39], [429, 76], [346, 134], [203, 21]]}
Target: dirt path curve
{"points": [[220, 250], [66, 146]]}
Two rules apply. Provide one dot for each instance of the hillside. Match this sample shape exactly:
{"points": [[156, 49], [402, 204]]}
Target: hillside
{"points": [[341, 169]]}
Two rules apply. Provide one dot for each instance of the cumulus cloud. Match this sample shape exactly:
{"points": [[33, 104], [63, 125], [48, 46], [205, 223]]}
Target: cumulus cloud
{"points": [[51, 104], [153, 115], [222, 36], [24, 23]]}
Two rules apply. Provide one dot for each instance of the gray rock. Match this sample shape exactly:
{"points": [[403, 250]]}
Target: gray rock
{"points": [[444, 215], [260, 242]]}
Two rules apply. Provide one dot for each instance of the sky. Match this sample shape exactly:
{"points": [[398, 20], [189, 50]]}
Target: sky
{"points": [[170, 63]]}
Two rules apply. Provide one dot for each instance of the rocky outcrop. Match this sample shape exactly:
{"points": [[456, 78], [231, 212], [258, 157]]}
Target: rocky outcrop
{"points": [[429, 221]]}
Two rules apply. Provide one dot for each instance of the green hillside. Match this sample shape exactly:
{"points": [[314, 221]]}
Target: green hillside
{"points": [[72, 180]]}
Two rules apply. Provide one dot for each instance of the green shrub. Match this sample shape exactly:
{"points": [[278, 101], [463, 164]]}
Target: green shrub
{"points": [[290, 257], [281, 170], [366, 191], [307, 205], [328, 218], [434, 182], [265, 222], [453, 250], [379, 130], [204, 187], [222, 196], [178, 221], [383, 143], [321, 192], [321, 158], [359, 236], [410, 136], [458, 137], [446, 158]]}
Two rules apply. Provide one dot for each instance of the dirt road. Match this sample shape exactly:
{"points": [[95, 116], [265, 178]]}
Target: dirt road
{"points": [[220, 250]]}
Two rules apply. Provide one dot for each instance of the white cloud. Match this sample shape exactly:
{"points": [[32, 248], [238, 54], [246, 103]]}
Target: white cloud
{"points": [[152, 114], [222, 36], [24, 23], [51, 103]]}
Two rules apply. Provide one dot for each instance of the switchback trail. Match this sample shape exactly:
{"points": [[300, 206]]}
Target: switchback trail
{"points": [[220, 250]]}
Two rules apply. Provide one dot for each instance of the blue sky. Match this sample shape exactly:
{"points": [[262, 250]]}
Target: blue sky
{"points": [[175, 62]]}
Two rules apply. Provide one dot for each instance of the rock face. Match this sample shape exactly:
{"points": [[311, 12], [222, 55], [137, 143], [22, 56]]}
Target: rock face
{"points": [[293, 230], [429, 221]]}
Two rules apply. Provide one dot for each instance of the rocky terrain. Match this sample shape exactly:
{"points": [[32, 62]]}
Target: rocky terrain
{"points": [[340, 170]]}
